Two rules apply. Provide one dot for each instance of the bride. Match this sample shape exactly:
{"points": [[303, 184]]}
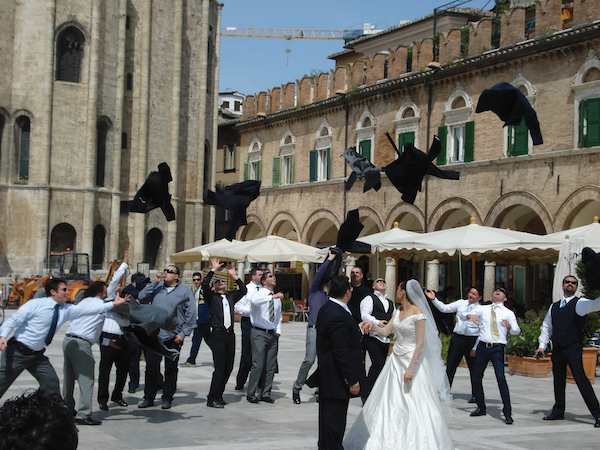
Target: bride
{"points": [[410, 401]]}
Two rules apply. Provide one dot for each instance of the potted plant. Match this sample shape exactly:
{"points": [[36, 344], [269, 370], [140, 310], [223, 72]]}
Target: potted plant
{"points": [[287, 308], [521, 350]]}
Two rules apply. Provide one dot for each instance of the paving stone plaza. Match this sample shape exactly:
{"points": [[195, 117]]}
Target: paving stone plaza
{"points": [[284, 425]]}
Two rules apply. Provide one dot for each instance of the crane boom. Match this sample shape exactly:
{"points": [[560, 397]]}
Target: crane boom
{"points": [[285, 33]]}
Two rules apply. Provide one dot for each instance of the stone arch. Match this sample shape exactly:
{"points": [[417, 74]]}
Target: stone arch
{"points": [[280, 218], [312, 223], [519, 198], [366, 114], [324, 129], [370, 213], [442, 212], [288, 138], [153, 247], [521, 81], [459, 91], [22, 112], [254, 228], [592, 62], [255, 142], [401, 210], [75, 24], [408, 105], [63, 237], [572, 206]]}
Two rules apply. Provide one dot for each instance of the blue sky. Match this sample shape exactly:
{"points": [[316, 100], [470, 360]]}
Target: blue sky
{"points": [[251, 65]]}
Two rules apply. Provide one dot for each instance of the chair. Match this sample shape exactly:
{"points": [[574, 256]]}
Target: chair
{"points": [[301, 311]]}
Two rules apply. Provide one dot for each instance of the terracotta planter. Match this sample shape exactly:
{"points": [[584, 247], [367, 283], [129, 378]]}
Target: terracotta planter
{"points": [[528, 366], [285, 317], [589, 365]]}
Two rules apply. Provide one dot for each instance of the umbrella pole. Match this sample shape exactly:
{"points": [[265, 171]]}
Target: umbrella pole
{"points": [[473, 276], [460, 275]]}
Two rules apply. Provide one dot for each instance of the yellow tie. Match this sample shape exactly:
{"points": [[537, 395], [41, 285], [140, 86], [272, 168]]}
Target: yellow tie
{"points": [[494, 324]]}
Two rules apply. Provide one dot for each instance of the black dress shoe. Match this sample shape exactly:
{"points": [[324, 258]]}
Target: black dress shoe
{"points": [[253, 399], [221, 401], [88, 421], [478, 412], [554, 417], [215, 404], [239, 388], [296, 396], [146, 403], [597, 424], [166, 404], [509, 420], [267, 400], [472, 400], [119, 402], [103, 406]]}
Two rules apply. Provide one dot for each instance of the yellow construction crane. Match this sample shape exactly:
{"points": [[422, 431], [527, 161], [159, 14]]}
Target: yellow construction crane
{"points": [[284, 33]]}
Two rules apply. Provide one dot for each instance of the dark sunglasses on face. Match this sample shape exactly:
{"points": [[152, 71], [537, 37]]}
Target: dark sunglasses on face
{"points": [[196, 279], [170, 271], [571, 282], [270, 276], [379, 281], [64, 289]]}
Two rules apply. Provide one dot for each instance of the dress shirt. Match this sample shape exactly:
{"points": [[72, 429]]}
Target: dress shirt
{"points": [[460, 307], [226, 312], [484, 313], [31, 321], [342, 304], [110, 325], [259, 312], [583, 308], [90, 327], [243, 306], [317, 297], [366, 310]]}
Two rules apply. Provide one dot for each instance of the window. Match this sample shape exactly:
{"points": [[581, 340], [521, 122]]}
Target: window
{"points": [[226, 105], [283, 170], [589, 122], [101, 136], [365, 135], [406, 123], [123, 140], [238, 106], [320, 161], [457, 143], [129, 82], [252, 168], [405, 138], [23, 136], [229, 155], [69, 55], [364, 148], [518, 139]]}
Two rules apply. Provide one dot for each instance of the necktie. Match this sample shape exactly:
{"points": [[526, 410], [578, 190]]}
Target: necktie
{"points": [[494, 324], [563, 302], [52, 329], [465, 324], [226, 312], [258, 288], [272, 309]]}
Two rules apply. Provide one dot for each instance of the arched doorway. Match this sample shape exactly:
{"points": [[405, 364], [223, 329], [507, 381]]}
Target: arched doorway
{"points": [[98, 247], [62, 238], [153, 242]]}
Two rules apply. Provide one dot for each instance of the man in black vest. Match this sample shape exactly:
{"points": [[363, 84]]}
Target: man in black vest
{"points": [[377, 309], [222, 338], [564, 325]]}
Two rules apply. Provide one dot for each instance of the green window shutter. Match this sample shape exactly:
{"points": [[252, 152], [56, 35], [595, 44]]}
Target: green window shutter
{"points": [[246, 171], [258, 170], [405, 138], [329, 163], [592, 135], [469, 141], [276, 170], [364, 148], [582, 109], [291, 180], [312, 168], [443, 135], [519, 141]]}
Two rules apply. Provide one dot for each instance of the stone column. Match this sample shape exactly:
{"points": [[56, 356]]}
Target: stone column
{"points": [[306, 280], [433, 275], [390, 278], [489, 279], [241, 269], [350, 264]]}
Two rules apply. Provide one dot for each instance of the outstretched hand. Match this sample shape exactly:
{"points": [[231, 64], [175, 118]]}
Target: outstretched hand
{"points": [[216, 264], [231, 271], [365, 327], [429, 294]]}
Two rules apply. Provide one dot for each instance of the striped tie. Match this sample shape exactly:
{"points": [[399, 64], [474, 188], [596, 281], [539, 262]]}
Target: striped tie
{"points": [[272, 309], [494, 324]]}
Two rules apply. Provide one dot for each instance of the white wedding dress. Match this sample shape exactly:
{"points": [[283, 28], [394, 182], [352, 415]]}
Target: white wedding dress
{"points": [[400, 415]]}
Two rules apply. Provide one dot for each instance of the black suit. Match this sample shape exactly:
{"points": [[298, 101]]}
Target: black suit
{"points": [[222, 340], [340, 355]]}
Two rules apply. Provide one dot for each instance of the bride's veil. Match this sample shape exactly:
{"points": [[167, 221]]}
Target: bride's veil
{"points": [[432, 349]]}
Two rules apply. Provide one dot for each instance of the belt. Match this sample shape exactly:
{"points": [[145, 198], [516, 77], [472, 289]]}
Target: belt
{"points": [[263, 329], [23, 348], [108, 335], [78, 337], [312, 326], [492, 344]]}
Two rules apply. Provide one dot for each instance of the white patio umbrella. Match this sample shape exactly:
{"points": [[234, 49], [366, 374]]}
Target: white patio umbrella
{"points": [[570, 253], [276, 248], [384, 240], [218, 249], [589, 233]]}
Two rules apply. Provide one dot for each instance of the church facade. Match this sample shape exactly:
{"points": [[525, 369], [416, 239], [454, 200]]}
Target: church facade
{"points": [[93, 96]]}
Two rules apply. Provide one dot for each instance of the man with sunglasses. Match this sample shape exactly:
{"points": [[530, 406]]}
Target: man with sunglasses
{"points": [[564, 325], [202, 329], [167, 295], [377, 309], [34, 325]]}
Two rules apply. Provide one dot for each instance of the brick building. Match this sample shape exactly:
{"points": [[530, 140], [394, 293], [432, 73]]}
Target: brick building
{"points": [[93, 96], [292, 138]]}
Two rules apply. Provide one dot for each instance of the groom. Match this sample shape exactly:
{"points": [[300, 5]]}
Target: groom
{"points": [[340, 371]]}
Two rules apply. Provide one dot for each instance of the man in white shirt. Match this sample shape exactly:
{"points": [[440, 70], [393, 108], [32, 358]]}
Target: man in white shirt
{"points": [[495, 322], [265, 316], [564, 324], [377, 309], [34, 325], [243, 308], [465, 332]]}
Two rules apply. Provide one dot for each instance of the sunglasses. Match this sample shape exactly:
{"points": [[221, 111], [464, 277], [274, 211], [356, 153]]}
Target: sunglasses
{"points": [[270, 276], [379, 281], [571, 282], [170, 271], [64, 289], [196, 279]]}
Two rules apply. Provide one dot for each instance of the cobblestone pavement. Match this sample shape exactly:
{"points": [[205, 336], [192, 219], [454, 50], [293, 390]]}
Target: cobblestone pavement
{"points": [[284, 425]]}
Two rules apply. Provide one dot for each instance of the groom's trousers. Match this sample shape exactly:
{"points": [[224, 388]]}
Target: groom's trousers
{"points": [[332, 423]]}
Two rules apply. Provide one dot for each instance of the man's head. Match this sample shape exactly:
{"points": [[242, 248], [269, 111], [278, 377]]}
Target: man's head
{"points": [[56, 288], [219, 286], [340, 288], [268, 280], [96, 289], [356, 275], [499, 295], [569, 285], [379, 285], [256, 275], [197, 279], [171, 275], [137, 276], [37, 420], [535, 305], [474, 295]]}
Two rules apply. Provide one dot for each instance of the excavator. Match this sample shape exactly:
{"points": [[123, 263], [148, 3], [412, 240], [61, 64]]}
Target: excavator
{"points": [[73, 267]]}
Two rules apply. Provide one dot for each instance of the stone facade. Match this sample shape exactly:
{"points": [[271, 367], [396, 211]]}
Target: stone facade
{"points": [[146, 92]]}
